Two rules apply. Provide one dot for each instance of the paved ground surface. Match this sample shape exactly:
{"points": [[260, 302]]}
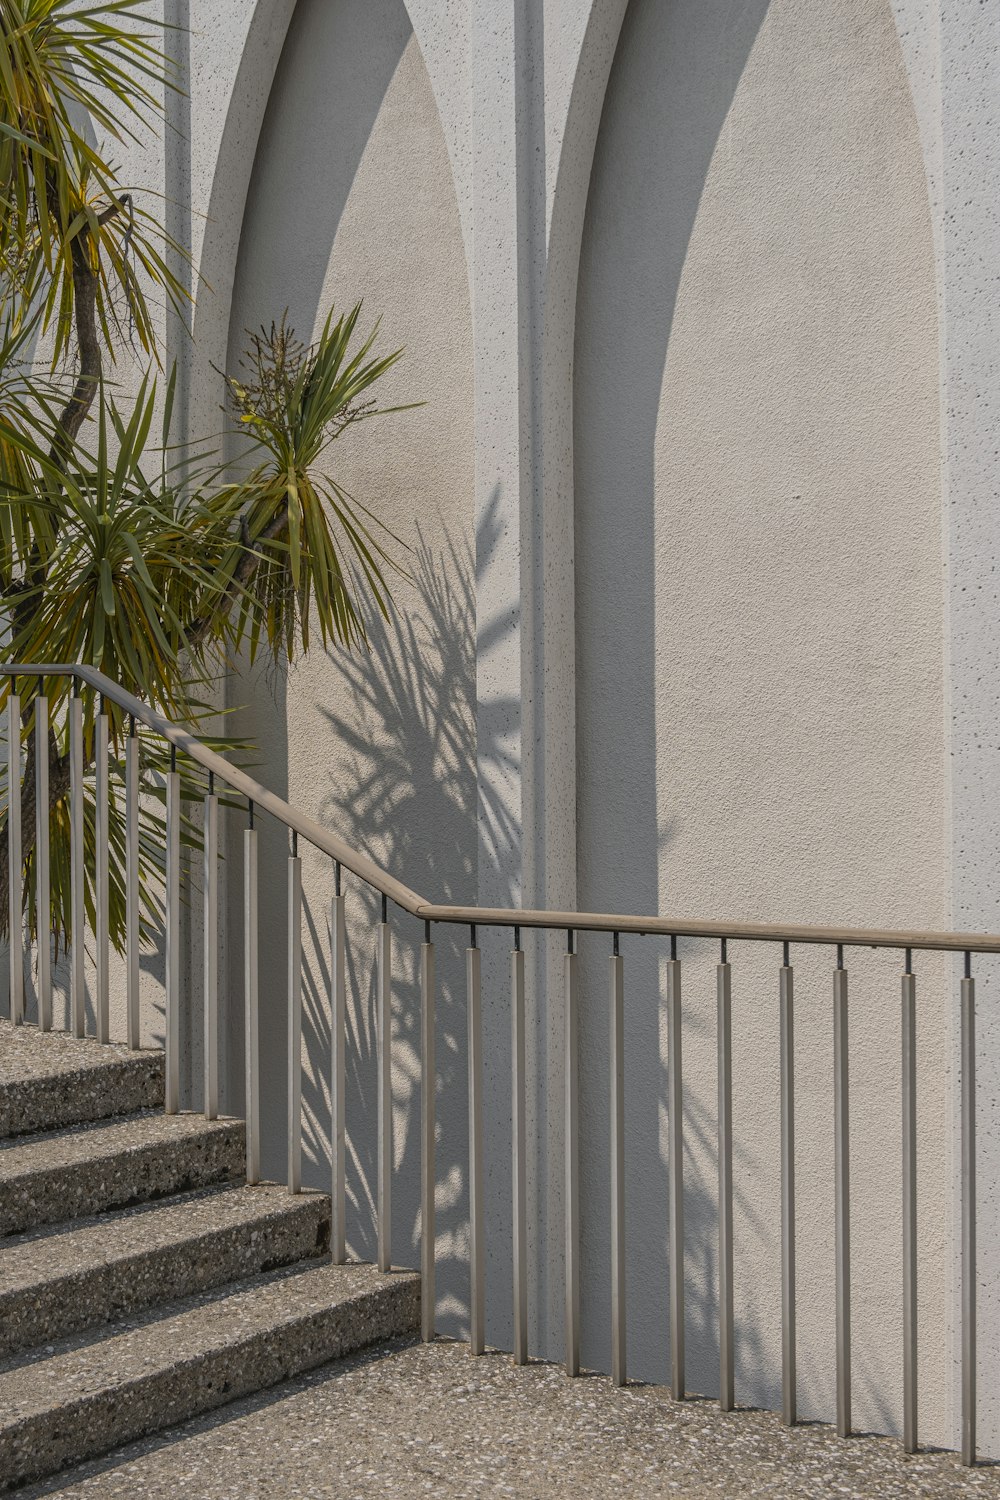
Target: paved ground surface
{"points": [[408, 1420]]}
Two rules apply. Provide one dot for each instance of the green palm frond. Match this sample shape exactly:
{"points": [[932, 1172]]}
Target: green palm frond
{"points": [[62, 61], [150, 563], [306, 530], [130, 564]]}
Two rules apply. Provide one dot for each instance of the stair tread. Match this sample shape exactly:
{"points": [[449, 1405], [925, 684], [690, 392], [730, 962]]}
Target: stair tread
{"points": [[119, 1137], [27, 1054], [138, 1350], [49, 1080], [71, 1250], [75, 1173]]}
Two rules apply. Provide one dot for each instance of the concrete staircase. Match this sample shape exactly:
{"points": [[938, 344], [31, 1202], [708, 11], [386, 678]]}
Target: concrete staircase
{"points": [[141, 1281]]}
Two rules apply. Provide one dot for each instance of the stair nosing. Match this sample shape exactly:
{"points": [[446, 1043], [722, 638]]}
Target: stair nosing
{"points": [[92, 1280], [104, 1127], [61, 1366], [271, 1209]]}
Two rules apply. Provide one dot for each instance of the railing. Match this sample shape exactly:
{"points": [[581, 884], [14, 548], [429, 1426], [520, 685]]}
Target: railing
{"points": [[260, 800]]}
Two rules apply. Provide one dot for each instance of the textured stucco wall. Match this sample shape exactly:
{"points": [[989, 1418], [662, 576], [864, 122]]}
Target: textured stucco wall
{"points": [[969, 104], [784, 363], [352, 196], [759, 604]]}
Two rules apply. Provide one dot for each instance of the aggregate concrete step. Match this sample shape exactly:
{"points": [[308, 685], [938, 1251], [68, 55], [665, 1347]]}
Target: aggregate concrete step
{"points": [[49, 1079], [68, 1278], [70, 1174], [85, 1398]]}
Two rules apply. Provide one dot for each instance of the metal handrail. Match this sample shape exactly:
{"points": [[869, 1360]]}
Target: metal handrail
{"points": [[475, 918], [410, 901], [263, 799]]}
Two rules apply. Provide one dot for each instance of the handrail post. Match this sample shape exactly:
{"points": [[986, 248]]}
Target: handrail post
{"points": [[571, 1090], [250, 1001], [383, 970], [132, 887], [338, 1074], [43, 899], [102, 920], [968, 1105], [842, 1173], [78, 991], [519, 1152], [909, 1154], [617, 1089], [786, 1004], [15, 858], [428, 1085], [477, 1246], [675, 1166], [294, 1020], [210, 893], [172, 1101], [724, 1049]]}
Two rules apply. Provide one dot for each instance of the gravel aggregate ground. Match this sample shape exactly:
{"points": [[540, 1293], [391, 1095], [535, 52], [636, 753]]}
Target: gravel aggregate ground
{"points": [[408, 1420]]}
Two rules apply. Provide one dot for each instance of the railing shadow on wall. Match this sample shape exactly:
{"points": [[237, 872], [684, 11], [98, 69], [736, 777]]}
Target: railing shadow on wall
{"points": [[406, 792]]}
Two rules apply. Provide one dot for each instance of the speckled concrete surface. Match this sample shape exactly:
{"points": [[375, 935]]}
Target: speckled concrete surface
{"points": [[88, 1396], [58, 1282], [71, 1173], [411, 1420], [49, 1079]]}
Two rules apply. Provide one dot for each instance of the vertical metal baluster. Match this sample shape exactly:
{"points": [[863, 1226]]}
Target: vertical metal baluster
{"points": [[338, 1066], [250, 1000], [173, 938], [675, 1155], [210, 890], [295, 1018], [786, 1023], [78, 989], [477, 1243], [43, 901], [14, 860], [842, 1171], [724, 1042], [968, 1044], [572, 1185], [132, 885], [909, 1019], [428, 1088], [385, 1159], [519, 1151], [617, 1059], [102, 824]]}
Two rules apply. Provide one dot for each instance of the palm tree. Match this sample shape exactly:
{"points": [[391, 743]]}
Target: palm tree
{"points": [[115, 550]]}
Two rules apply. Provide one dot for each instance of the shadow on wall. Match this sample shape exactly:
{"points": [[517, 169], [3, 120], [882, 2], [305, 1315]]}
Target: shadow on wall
{"points": [[646, 186], [406, 794], [320, 116]]}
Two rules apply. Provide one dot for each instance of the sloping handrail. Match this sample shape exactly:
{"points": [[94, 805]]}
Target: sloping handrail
{"points": [[403, 896], [476, 917]]}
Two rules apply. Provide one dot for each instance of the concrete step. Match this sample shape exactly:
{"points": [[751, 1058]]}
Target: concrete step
{"points": [[74, 1277], [84, 1399], [49, 1079], [71, 1174]]}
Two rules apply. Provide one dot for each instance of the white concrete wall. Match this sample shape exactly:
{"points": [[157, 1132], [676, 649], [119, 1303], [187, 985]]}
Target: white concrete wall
{"points": [[760, 661], [352, 196], [703, 605]]}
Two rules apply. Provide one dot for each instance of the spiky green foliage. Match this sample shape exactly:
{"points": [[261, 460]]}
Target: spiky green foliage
{"points": [[63, 62], [130, 560], [114, 552], [306, 530]]}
